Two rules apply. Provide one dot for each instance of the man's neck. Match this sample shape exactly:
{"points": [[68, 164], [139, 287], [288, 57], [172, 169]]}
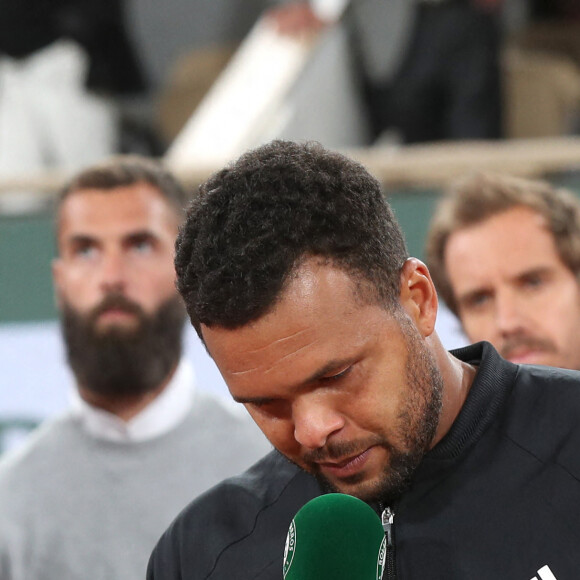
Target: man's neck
{"points": [[457, 377]]}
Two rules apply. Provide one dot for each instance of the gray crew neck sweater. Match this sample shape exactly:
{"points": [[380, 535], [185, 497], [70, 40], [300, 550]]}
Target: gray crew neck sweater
{"points": [[76, 507]]}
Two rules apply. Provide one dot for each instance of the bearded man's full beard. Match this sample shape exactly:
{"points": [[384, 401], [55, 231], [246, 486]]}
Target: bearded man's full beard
{"points": [[118, 361]]}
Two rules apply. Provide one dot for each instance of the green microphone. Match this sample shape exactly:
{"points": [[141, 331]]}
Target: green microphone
{"points": [[335, 537]]}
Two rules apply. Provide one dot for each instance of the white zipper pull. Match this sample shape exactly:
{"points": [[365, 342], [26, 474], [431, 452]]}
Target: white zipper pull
{"points": [[390, 566], [387, 518]]}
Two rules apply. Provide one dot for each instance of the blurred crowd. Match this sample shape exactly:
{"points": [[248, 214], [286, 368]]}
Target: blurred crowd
{"points": [[129, 75]]}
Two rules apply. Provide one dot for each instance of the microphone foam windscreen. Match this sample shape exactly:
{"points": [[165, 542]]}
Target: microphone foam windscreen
{"points": [[335, 537]]}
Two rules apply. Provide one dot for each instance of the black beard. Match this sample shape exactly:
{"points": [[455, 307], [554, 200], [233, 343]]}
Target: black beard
{"points": [[118, 362], [420, 420]]}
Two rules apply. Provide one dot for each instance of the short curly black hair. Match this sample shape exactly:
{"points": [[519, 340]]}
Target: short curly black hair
{"points": [[254, 222]]}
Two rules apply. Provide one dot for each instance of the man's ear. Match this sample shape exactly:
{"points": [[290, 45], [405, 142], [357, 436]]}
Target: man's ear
{"points": [[418, 296]]}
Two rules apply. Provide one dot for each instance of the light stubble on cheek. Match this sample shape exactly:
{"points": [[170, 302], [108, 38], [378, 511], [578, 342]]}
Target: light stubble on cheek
{"points": [[414, 429]]}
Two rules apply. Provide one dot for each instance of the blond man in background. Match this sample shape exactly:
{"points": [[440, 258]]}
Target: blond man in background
{"points": [[504, 254]]}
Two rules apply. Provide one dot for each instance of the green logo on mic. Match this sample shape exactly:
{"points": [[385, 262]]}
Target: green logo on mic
{"points": [[341, 538], [290, 548], [381, 559]]}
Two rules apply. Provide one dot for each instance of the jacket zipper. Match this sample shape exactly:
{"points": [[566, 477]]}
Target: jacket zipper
{"points": [[390, 568]]}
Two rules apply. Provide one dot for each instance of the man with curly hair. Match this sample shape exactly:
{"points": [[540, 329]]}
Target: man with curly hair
{"points": [[296, 276]]}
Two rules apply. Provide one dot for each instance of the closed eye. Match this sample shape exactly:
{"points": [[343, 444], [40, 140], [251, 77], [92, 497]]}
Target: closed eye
{"points": [[259, 403], [270, 408], [337, 376]]}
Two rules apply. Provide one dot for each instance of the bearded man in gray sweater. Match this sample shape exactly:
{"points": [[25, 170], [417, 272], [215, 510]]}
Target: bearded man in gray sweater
{"points": [[90, 492]]}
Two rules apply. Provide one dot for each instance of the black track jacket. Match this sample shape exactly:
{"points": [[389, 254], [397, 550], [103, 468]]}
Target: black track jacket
{"points": [[498, 498]]}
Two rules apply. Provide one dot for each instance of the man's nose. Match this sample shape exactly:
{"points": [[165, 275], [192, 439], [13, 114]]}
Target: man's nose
{"points": [[315, 422], [509, 314], [113, 272]]}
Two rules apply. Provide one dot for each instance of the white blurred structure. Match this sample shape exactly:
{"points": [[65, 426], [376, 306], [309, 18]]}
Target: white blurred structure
{"points": [[276, 86]]}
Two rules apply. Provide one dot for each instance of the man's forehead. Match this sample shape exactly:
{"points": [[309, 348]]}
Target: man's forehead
{"points": [[523, 218], [499, 238], [249, 348], [318, 312]]}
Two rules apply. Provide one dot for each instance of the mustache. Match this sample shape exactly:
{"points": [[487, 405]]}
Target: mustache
{"points": [[116, 301], [339, 450], [527, 342]]}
